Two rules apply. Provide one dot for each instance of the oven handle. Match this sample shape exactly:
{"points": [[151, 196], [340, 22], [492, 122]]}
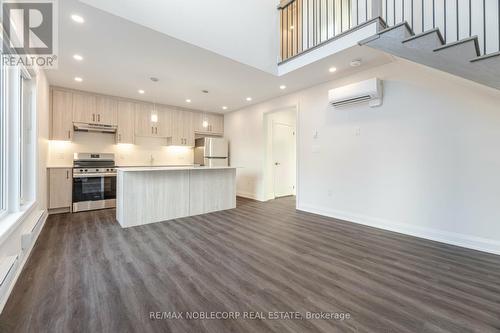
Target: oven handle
{"points": [[94, 175]]}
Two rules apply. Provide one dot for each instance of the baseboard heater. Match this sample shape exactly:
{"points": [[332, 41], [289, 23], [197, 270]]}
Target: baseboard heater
{"points": [[27, 238], [6, 266]]}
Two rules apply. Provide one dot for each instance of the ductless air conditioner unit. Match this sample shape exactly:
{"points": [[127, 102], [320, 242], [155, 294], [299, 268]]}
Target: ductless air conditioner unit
{"points": [[365, 91]]}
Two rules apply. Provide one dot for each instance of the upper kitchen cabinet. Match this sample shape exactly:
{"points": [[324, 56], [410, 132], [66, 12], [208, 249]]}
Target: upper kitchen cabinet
{"points": [[84, 108], [151, 121], [182, 129], [208, 123], [62, 116], [125, 121], [94, 109], [106, 110]]}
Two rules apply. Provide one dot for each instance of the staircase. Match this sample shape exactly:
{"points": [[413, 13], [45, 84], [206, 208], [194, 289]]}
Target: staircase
{"points": [[462, 58]]}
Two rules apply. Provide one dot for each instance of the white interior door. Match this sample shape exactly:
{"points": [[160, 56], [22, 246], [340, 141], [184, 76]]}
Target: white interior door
{"points": [[283, 152]]}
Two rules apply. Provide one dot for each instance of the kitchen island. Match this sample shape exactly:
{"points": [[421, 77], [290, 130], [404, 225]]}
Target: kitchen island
{"points": [[155, 194]]}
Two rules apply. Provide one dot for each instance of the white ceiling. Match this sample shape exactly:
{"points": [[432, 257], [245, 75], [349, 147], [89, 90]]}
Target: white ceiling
{"points": [[120, 56], [245, 31]]}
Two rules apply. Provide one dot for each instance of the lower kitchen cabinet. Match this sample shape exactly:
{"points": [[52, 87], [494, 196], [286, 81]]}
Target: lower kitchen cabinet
{"points": [[60, 188]]}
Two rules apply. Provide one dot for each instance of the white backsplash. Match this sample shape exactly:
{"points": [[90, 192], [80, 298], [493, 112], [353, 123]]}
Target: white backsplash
{"points": [[143, 152]]}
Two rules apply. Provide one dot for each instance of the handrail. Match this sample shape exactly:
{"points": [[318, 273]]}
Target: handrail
{"points": [[305, 24]]}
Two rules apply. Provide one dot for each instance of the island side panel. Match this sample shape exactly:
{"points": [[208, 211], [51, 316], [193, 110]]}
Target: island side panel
{"points": [[154, 196], [212, 190], [119, 197]]}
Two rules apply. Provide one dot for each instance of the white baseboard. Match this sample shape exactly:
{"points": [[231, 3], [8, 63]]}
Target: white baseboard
{"points": [[462, 240], [247, 195], [23, 258]]}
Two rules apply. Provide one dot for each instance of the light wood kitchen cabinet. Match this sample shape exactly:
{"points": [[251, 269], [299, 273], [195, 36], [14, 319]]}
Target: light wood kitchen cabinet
{"points": [[151, 121], [94, 109], [62, 116], [125, 121], [60, 188], [106, 110], [207, 123], [182, 129], [84, 108]]}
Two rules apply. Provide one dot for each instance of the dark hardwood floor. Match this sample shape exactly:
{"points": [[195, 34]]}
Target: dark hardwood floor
{"points": [[86, 274]]}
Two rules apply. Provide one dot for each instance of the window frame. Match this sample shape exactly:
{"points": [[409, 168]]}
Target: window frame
{"points": [[3, 140]]}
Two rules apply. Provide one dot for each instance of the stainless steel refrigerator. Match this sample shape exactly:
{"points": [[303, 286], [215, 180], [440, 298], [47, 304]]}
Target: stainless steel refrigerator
{"points": [[211, 152]]}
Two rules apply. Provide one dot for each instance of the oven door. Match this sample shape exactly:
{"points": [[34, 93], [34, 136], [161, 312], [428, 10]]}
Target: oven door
{"points": [[94, 192]]}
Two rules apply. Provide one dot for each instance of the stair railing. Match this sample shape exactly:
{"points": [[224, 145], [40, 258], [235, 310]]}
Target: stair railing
{"points": [[307, 24], [456, 19]]}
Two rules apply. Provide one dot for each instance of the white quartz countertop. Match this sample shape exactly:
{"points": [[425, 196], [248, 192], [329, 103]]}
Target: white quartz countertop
{"points": [[171, 168]]}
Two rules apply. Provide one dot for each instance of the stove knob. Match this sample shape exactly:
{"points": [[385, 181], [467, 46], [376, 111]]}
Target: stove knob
{"points": [[96, 170], [86, 170], [81, 170], [107, 170]]}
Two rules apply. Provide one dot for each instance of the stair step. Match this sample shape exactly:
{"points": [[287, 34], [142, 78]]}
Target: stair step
{"points": [[428, 40], [462, 50], [401, 30], [486, 56], [488, 66]]}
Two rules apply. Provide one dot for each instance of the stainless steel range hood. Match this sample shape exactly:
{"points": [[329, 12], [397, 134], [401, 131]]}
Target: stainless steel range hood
{"points": [[82, 127]]}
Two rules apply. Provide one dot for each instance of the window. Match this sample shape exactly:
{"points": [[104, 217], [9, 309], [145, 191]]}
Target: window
{"points": [[26, 141], [3, 137], [17, 140]]}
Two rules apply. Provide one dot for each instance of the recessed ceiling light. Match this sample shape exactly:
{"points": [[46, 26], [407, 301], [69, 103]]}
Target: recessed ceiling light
{"points": [[140, 91], [249, 99], [356, 63], [332, 69], [224, 108], [77, 18], [78, 57], [78, 79], [282, 87], [188, 100]]}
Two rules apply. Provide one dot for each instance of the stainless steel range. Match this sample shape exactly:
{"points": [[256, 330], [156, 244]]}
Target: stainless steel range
{"points": [[94, 181]]}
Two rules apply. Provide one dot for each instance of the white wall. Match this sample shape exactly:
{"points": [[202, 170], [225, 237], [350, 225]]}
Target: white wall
{"points": [[61, 152], [426, 163]]}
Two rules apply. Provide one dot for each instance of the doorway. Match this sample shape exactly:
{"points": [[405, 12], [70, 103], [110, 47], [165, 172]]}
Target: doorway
{"points": [[281, 157]]}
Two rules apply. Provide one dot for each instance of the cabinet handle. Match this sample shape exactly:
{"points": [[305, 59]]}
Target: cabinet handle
{"points": [[152, 130], [67, 174], [93, 117], [69, 134], [119, 137], [98, 118], [156, 130]]}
